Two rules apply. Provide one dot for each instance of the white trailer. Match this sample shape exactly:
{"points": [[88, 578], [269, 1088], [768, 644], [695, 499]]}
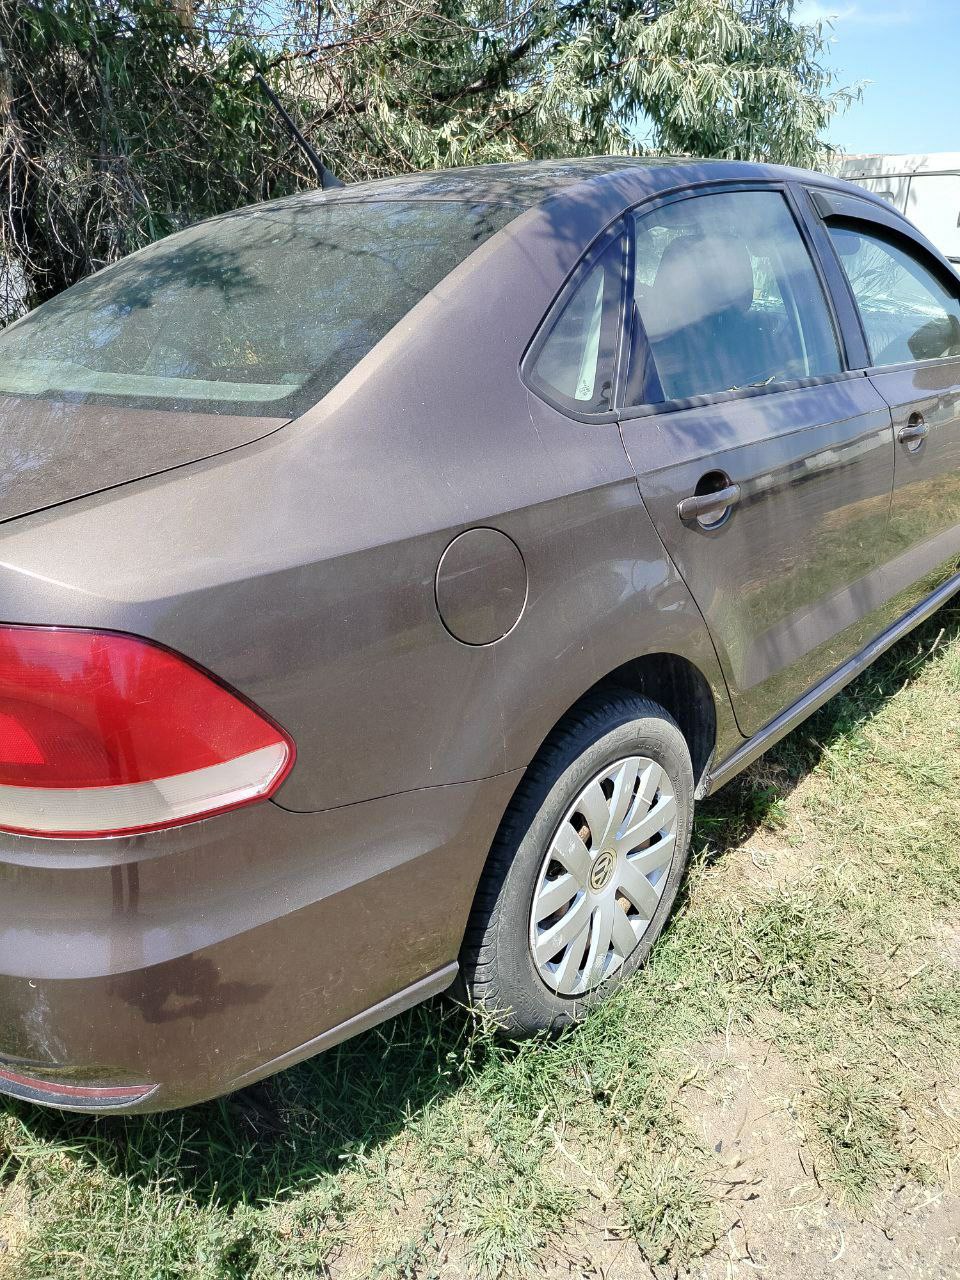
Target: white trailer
{"points": [[926, 188]]}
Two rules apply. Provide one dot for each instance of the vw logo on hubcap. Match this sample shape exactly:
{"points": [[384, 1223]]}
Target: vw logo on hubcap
{"points": [[602, 870]]}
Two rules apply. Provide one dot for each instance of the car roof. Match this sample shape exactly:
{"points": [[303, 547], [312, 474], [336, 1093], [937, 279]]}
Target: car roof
{"points": [[524, 183], [532, 183]]}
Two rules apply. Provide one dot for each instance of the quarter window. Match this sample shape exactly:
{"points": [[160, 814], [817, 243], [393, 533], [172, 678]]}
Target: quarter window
{"points": [[575, 365], [907, 313], [728, 298]]}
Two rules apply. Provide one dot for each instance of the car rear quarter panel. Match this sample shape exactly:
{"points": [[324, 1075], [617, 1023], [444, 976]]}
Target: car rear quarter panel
{"points": [[302, 568], [199, 958]]}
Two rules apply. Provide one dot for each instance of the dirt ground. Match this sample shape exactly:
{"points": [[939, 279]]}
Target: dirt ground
{"points": [[779, 1221]]}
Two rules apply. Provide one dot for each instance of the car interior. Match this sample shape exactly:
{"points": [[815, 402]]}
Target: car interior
{"points": [[704, 327]]}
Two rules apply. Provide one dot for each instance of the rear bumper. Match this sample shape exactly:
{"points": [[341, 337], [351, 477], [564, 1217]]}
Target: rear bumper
{"points": [[175, 966]]}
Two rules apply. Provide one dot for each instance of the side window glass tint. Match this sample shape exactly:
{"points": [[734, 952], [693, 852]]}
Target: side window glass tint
{"points": [[728, 296], [907, 313], [575, 364]]}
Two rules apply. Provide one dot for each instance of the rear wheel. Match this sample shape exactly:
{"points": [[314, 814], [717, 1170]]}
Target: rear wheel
{"points": [[585, 867]]}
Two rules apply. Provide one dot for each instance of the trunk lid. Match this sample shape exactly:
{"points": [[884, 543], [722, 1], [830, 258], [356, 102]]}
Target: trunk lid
{"points": [[52, 451]]}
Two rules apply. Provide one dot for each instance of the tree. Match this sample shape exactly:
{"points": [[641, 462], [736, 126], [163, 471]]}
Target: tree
{"points": [[121, 120]]}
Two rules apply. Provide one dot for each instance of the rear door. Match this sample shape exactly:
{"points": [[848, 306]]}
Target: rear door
{"points": [[764, 461], [909, 304]]}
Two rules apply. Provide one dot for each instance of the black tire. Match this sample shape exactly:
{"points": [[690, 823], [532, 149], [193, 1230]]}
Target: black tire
{"points": [[497, 969]]}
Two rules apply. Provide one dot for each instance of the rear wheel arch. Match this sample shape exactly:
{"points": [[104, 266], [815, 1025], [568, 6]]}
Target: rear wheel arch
{"points": [[674, 683], [681, 689]]}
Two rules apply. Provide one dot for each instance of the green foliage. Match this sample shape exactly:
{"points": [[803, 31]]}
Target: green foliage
{"points": [[121, 120], [119, 125]]}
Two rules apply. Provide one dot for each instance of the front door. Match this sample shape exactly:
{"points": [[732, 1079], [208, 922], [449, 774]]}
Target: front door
{"points": [[766, 466], [909, 307]]}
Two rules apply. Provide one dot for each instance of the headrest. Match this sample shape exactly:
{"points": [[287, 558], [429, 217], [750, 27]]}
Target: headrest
{"points": [[698, 276]]}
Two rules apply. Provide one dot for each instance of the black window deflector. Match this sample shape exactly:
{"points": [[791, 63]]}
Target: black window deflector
{"points": [[838, 204]]}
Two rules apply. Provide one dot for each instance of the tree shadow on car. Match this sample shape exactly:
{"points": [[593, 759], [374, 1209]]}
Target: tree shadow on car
{"points": [[307, 1124]]}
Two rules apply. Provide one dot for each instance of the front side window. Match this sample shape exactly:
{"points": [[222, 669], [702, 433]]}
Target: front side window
{"points": [[260, 312], [728, 297], [575, 364], [907, 313]]}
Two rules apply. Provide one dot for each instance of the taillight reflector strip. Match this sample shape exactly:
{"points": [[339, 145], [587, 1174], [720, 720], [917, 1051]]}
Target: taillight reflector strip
{"points": [[106, 734], [56, 1093]]}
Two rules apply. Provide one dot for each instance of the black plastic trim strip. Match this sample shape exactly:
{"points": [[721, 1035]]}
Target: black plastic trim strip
{"points": [[431, 985]]}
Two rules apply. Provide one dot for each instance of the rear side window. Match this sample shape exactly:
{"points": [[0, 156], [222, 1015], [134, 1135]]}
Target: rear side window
{"points": [[261, 312], [907, 313], [575, 364], [728, 297]]}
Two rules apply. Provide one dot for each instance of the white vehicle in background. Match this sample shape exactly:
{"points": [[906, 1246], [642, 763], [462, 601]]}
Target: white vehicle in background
{"points": [[925, 188]]}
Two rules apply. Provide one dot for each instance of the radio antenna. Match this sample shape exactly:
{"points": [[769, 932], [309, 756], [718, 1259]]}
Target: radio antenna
{"points": [[325, 176]]}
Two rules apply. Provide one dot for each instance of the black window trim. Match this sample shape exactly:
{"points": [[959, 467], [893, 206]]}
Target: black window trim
{"points": [[838, 288], [894, 230], [614, 231], [629, 412]]}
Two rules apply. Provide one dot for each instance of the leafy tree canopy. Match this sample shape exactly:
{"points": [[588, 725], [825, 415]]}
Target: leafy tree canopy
{"points": [[121, 120]]}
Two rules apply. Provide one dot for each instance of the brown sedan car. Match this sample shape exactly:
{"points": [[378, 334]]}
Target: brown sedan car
{"points": [[386, 571]]}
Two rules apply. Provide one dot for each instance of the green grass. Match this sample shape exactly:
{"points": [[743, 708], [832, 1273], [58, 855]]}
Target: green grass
{"points": [[812, 926]]}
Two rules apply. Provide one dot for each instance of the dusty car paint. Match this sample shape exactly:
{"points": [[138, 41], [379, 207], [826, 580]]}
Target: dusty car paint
{"points": [[315, 569], [51, 452]]}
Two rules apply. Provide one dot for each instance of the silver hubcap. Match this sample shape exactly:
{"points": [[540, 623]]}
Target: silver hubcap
{"points": [[603, 876]]}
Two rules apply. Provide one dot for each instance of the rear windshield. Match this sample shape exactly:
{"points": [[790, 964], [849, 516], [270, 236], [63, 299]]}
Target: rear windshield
{"points": [[260, 313]]}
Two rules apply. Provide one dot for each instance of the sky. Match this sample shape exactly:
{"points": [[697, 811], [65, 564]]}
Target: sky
{"points": [[906, 53]]}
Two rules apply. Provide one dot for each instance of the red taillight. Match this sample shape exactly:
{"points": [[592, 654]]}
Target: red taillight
{"points": [[103, 734]]}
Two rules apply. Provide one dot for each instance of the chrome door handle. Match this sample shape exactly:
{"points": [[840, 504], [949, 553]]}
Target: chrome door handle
{"points": [[914, 433], [705, 504]]}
